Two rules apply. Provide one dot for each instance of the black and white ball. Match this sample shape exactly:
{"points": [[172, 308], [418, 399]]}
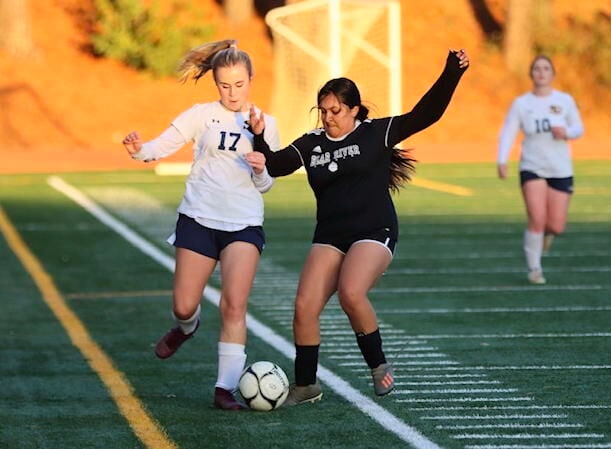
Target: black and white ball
{"points": [[264, 386]]}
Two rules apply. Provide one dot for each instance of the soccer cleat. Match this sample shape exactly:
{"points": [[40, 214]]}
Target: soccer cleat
{"points": [[171, 341], [548, 239], [225, 400], [536, 277], [383, 379], [303, 395]]}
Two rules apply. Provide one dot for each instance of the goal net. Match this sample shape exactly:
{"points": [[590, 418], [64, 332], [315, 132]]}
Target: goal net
{"points": [[316, 40]]}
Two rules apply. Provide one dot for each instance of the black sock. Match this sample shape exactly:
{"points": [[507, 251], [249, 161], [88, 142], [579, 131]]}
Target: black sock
{"points": [[371, 348], [306, 363]]}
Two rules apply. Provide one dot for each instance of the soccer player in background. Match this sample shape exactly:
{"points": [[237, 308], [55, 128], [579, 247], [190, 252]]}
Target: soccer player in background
{"points": [[220, 217], [352, 164], [548, 119]]}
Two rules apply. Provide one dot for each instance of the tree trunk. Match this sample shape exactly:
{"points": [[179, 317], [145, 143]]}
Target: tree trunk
{"points": [[518, 35], [16, 34], [238, 11]]}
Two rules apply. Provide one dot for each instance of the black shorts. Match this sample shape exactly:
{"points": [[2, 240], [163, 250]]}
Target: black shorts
{"points": [[561, 184], [385, 236], [210, 242]]}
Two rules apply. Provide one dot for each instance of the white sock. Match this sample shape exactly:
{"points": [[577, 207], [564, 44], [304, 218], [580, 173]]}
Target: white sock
{"points": [[190, 324], [533, 246], [232, 358]]}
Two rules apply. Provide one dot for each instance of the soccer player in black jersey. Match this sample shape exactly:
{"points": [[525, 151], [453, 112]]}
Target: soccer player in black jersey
{"points": [[352, 163]]}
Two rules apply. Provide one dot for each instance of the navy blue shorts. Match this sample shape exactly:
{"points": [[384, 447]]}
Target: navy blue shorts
{"points": [[210, 242], [385, 236], [561, 184]]}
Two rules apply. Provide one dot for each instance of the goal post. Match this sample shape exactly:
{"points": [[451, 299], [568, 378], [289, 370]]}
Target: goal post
{"points": [[316, 40]]}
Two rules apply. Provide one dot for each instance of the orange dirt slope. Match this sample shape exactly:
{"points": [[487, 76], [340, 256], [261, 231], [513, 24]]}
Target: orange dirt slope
{"points": [[63, 109]]}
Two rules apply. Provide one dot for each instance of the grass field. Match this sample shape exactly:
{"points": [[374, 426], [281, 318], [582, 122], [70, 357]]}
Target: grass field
{"points": [[483, 359]]}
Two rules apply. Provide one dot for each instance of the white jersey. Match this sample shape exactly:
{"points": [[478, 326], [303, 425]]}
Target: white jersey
{"points": [[535, 116], [221, 189]]}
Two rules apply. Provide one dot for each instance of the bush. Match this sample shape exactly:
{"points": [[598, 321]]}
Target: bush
{"points": [[588, 44], [144, 38]]}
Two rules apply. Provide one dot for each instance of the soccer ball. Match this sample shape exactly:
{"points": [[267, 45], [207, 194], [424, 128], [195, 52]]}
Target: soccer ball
{"points": [[264, 386]]}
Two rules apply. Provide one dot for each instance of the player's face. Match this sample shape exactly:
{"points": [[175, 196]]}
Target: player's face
{"points": [[233, 84], [542, 73], [337, 118]]}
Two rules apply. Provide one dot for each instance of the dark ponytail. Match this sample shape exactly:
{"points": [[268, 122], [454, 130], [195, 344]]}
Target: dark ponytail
{"points": [[402, 168]]}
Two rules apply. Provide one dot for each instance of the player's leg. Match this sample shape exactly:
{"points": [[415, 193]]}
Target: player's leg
{"points": [[558, 200], [317, 283], [238, 262], [534, 192], [191, 275], [196, 257], [363, 265]]}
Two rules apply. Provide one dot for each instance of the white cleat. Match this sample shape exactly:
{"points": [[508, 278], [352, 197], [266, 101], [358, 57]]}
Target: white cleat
{"points": [[536, 277]]}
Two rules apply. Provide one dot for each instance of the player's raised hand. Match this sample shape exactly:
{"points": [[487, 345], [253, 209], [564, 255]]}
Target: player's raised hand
{"points": [[463, 58], [132, 142], [256, 122]]}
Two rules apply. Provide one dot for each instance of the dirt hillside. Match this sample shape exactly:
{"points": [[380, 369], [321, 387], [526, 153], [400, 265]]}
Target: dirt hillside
{"points": [[62, 109]]}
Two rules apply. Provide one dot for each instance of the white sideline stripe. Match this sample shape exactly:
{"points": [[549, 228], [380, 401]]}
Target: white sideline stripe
{"points": [[379, 414]]}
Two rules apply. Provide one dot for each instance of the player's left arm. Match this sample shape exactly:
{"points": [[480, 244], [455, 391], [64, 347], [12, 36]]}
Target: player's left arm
{"points": [[575, 127], [433, 104]]}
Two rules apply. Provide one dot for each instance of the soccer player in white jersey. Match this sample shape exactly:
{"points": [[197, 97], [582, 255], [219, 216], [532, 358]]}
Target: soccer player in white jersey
{"points": [[220, 217], [548, 119]]}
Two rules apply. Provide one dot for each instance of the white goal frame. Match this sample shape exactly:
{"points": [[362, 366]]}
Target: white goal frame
{"points": [[345, 39]]}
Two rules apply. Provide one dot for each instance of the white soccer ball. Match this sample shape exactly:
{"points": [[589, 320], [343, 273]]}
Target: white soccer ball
{"points": [[264, 386]]}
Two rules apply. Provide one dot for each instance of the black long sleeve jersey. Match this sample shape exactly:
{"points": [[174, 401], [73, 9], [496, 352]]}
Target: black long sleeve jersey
{"points": [[350, 176]]}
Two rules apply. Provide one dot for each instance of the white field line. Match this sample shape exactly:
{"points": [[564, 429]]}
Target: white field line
{"points": [[489, 417], [459, 391], [456, 408], [484, 289], [449, 311], [429, 368], [492, 270], [549, 425], [467, 400], [500, 255], [539, 446], [525, 436], [503, 336], [379, 414]]}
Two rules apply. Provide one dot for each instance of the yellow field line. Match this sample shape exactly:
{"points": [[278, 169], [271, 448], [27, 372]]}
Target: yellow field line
{"points": [[442, 187], [144, 426]]}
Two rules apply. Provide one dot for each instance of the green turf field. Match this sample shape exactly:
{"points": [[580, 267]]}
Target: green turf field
{"points": [[483, 359]]}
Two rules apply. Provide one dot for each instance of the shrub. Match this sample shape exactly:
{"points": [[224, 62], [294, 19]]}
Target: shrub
{"points": [[144, 38]]}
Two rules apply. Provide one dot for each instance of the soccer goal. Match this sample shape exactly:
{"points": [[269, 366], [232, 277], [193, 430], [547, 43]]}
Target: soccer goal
{"points": [[316, 40]]}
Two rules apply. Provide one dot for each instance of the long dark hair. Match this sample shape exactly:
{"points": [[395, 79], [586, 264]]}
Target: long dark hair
{"points": [[402, 165]]}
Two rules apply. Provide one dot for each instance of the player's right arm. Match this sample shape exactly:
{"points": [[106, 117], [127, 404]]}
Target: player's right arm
{"points": [[507, 136]]}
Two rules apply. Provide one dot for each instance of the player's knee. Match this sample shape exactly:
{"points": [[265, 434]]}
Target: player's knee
{"points": [[184, 311], [349, 297], [233, 310], [555, 228]]}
